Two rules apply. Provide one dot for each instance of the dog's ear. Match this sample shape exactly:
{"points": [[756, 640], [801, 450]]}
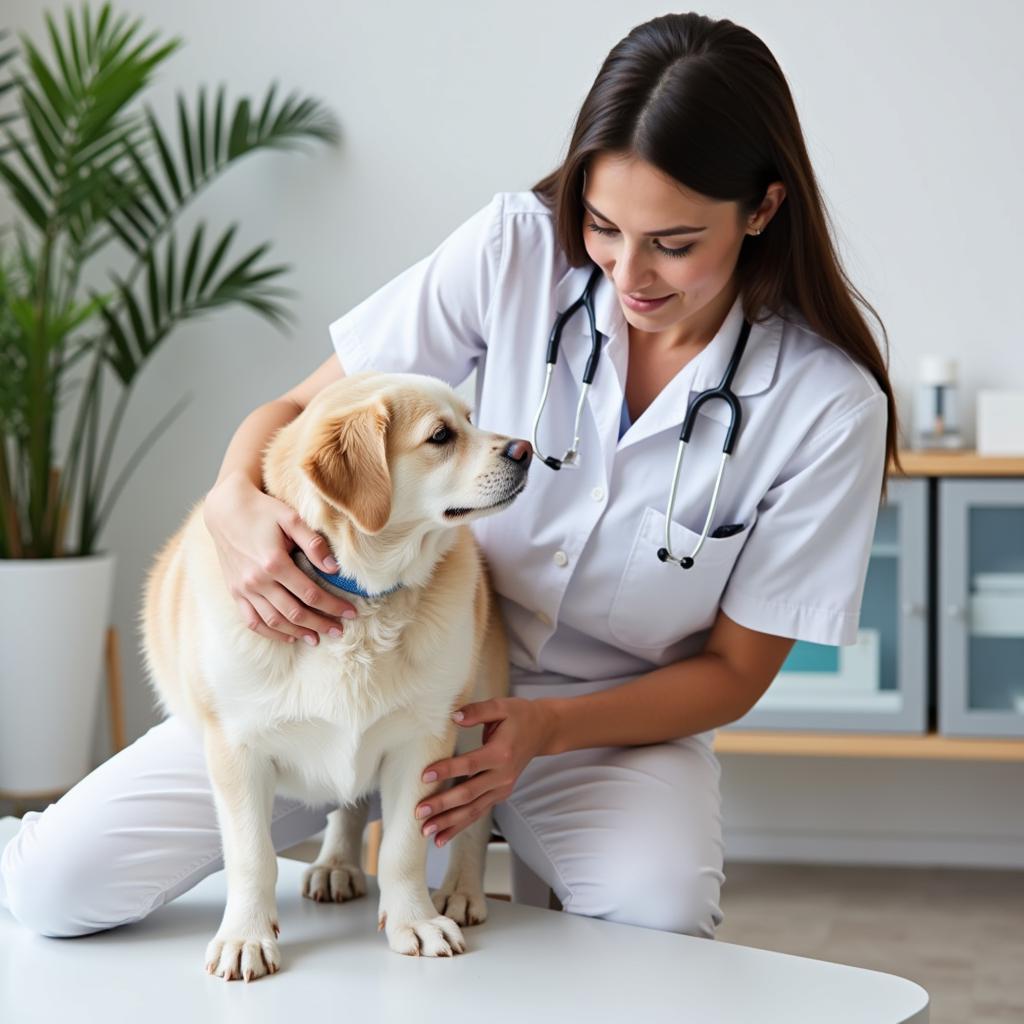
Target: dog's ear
{"points": [[349, 465]]}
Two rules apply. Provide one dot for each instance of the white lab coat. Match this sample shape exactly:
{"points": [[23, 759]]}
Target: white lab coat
{"points": [[574, 561]]}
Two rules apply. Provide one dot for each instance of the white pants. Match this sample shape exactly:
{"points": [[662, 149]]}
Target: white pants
{"points": [[628, 834]]}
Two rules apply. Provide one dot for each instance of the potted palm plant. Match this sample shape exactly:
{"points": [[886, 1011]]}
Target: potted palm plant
{"points": [[95, 183]]}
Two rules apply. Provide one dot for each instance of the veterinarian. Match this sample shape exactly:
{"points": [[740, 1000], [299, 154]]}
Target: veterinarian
{"points": [[688, 185]]}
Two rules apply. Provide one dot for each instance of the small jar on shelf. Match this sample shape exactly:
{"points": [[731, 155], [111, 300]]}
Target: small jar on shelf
{"points": [[936, 413]]}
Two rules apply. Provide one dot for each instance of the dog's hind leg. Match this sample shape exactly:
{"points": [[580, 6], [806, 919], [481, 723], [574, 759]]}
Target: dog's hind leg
{"points": [[336, 874], [243, 785], [461, 895]]}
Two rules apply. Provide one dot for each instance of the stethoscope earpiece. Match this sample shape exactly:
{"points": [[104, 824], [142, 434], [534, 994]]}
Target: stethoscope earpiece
{"points": [[723, 393]]}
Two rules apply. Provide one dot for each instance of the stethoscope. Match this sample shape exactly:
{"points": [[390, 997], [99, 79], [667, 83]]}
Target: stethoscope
{"points": [[723, 391]]}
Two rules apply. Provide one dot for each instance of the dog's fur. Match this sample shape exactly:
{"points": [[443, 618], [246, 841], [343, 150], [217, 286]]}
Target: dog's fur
{"points": [[370, 709]]}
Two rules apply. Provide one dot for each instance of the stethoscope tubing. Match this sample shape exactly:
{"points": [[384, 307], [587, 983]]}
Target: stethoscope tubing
{"points": [[723, 393]]}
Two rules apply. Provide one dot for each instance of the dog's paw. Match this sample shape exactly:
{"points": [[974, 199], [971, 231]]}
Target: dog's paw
{"points": [[463, 907], [434, 936], [251, 956], [333, 882]]}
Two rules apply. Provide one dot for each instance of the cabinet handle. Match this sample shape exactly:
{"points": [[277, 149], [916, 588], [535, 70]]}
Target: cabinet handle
{"points": [[957, 611], [912, 609]]}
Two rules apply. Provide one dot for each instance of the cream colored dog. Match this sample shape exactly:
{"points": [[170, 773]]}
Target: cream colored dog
{"points": [[389, 469]]}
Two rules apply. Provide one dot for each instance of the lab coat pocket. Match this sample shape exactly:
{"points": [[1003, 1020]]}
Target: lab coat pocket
{"points": [[659, 603]]}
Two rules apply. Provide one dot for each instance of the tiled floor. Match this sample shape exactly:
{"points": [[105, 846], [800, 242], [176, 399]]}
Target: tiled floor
{"points": [[958, 933]]}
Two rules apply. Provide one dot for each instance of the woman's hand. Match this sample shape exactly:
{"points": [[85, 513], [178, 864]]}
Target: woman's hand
{"points": [[254, 535], [517, 731]]}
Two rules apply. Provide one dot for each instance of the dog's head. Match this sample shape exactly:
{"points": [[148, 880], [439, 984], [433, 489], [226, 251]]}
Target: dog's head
{"points": [[397, 451]]}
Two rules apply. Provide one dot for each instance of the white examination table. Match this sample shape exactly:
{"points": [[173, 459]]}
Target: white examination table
{"points": [[523, 964]]}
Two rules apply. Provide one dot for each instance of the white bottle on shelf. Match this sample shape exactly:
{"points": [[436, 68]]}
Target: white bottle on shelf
{"points": [[936, 416]]}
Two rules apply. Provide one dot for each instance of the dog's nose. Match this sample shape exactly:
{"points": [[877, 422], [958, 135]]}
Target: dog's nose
{"points": [[519, 451]]}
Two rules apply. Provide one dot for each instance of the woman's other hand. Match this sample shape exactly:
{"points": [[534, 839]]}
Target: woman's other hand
{"points": [[254, 535], [517, 731]]}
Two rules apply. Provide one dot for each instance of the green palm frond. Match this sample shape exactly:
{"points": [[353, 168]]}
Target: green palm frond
{"points": [[209, 143], [137, 324], [73, 107], [7, 82], [87, 166]]}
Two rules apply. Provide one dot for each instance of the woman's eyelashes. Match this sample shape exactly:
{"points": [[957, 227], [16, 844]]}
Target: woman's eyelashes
{"points": [[668, 252]]}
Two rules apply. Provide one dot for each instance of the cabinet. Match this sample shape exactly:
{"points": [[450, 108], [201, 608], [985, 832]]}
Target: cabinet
{"points": [[938, 670], [879, 684], [981, 607]]}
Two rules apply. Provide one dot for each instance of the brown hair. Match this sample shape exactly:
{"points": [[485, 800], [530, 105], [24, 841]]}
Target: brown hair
{"points": [[706, 103]]}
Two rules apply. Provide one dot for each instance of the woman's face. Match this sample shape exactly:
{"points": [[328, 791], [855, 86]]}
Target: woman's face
{"points": [[640, 241]]}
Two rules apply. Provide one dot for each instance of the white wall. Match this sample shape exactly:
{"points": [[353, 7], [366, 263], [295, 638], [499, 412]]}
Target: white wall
{"points": [[911, 113]]}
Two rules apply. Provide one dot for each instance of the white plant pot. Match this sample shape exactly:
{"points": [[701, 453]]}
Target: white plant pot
{"points": [[54, 614]]}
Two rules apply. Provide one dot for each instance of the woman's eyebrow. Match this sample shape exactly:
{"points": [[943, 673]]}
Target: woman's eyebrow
{"points": [[681, 229]]}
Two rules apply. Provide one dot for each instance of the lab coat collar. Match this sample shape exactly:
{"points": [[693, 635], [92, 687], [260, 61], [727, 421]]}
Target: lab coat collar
{"points": [[754, 375]]}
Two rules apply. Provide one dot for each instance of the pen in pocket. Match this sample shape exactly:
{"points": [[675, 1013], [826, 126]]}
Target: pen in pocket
{"points": [[728, 530]]}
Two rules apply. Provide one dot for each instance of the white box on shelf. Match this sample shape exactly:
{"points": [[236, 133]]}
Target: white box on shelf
{"points": [[989, 581], [854, 686], [999, 613], [882, 701], [1000, 422]]}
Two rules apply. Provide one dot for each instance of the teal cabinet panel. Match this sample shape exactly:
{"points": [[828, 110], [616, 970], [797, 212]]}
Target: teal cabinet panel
{"points": [[880, 683]]}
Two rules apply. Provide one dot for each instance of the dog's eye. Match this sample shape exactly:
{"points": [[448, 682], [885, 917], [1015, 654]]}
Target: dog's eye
{"points": [[440, 436]]}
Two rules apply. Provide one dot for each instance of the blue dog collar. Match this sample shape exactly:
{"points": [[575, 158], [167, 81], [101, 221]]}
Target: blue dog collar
{"points": [[350, 586]]}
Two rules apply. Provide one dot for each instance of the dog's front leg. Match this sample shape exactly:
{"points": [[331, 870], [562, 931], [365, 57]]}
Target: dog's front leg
{"points": [[407, 912], [243, 784], [461, 895]]}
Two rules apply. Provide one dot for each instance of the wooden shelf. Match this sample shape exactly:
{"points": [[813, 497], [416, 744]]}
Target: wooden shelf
{"points": [[959, 463], [840, 744]]}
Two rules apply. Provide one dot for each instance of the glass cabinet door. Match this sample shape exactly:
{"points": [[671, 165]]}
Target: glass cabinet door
{"points": [[879, 683], [981, 611]]}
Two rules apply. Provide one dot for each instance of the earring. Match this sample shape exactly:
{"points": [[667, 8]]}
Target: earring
{"points": [[757, 231]]}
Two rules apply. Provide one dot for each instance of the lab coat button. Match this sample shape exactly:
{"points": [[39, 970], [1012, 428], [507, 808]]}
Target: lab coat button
{"points": [[597, 493], [561, 558], [544, 618]]}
